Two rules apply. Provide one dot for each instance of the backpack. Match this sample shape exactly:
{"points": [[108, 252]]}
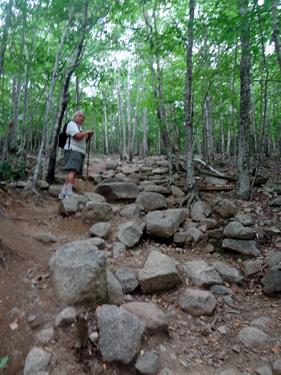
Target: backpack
{"points": [[62, 138]]}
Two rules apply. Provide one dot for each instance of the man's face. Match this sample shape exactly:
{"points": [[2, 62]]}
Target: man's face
{"points": [[79, 118]]}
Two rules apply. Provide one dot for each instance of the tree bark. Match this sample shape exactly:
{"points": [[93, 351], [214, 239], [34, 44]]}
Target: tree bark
{"points": [[105, 130], [131, 150], [276, 31], [5, 34], [243, 174]]}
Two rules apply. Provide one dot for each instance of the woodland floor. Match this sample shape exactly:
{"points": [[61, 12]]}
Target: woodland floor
{"points": [[26, 290]]}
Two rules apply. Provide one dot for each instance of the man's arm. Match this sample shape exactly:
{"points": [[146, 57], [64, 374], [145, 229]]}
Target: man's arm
{"points": [[86, 133]]}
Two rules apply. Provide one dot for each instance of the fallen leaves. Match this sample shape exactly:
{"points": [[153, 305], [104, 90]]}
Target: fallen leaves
{"points": [[212, 339], [48, 350], [14, 325], [275, 348], [3, 362], [183, 363], [237, 324], [272, 326], [199, 361]]}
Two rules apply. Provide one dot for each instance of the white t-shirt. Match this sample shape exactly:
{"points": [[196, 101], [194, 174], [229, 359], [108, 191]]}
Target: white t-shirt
{"points": [[75, 145]]}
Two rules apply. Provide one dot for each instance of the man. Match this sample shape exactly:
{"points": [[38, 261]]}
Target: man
{"points": [[74, 152]]}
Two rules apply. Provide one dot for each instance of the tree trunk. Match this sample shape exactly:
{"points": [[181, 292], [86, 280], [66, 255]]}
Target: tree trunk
{"points": [[276, 31], [95, 135], [144, 133], [111, 134], [121, 110], [221, 129], [129, 112], [5, 34], [131, 150], [105, 131], [77, 92], [243, 174], [254, 130], [176, 138], [65, 94], [49, 100]]}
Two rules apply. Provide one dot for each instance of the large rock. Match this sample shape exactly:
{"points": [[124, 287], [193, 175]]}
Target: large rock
{"points": [[164, 224], [79, 272], [153, 318], [36, 360], [131, 211], [199, 211], [252, 266], [102, 230], [275, 202], [114, 289], [159, 273], [151, 201], [119, 250], [277, 367], [227, 273], [129, 233], [196, 234], [98, 210], [158, 189], [241, 246], [120, 334], [252, 336], [226, 208], [210, 180], [237, 230], [244, 219], [272, 280], [201, 274], [66, 317], [94, 197], [112, 190], [197, 302], [127, 279], [148, 364], [68, 206]]}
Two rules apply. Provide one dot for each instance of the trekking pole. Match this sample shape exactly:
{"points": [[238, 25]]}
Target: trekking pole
{"points": [[87, 176]]}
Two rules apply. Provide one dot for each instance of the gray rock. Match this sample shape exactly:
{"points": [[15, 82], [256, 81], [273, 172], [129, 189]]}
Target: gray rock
{"points": [[252, 336], [179, 238], [45, 335], [98, 242], [252, 266], [151, 201], [236, 230], [278, 242], [208, 223], [127, 279], [113, 190], [114, 290], [241, 246], [79, 272], [65, 317], [164, 224], [201, 274], [199, 211], [42, 184], [196, 235], [129, 233], [166, 371], [226, 208], [246, 220], [68, 206], [263, 323], [227, 273], [97, 210], [209, 248], [274, 259], [272, 280], [119, 250], [153, 318], [230, 371], [94, 197], [36, 360], [94, 337], [160, 170], [219, 289], [271, 230], [197, 302], [215, 233], [102, 230], [54, 190], [277, 367], [131, 211], [210, 180], [159, 273], [264, 370], [275, 202], [177, 192], [45, 238], [148, 364], [120, 334], [97, 178], [227, 300], [130, 169], [158, 189], [112, 165]]}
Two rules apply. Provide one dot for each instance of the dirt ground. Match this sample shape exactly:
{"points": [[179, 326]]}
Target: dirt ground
{"points": [[26, 290]]}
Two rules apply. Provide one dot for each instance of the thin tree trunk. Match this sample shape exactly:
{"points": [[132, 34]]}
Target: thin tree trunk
{"points": [[77, 93], [276, 31], [131, 150], [221, 129], [5, 34], [176, 138], [121, 108], [111, 134], [129, 112], [144, 133], [95, 136], [119, 119], [243, 174], [254, 130], [233, 108], [105, 131]]}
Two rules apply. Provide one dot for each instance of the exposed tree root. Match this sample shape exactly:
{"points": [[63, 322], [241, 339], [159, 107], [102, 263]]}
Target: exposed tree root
{"points": [[38, 196], [189, 199], [6, 252]]}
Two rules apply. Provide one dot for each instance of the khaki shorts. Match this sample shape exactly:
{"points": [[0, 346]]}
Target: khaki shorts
{"points": [[74, 161]]}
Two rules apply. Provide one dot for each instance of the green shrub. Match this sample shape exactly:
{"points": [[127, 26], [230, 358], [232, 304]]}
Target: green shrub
{"points": [[12, 170]]}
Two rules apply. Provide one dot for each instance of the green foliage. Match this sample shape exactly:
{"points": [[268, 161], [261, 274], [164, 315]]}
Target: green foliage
{"points": [[12, 170], [3, 362]]}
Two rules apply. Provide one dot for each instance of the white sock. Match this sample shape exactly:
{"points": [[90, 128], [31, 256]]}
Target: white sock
{"points": [[69, 188], [64, 189]]}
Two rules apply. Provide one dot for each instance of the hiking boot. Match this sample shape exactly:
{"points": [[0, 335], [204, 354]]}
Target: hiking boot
{"points": [[61, 196], [70, 195]]}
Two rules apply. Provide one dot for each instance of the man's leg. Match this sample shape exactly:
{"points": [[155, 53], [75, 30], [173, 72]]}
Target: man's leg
{"points": [[69, 182]]}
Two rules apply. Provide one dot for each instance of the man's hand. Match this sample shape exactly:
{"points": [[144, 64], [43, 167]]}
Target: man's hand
{"points": [[90, 134]]}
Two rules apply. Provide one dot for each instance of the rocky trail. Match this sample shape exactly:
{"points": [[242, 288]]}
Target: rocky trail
{"points": [[146, 286]]}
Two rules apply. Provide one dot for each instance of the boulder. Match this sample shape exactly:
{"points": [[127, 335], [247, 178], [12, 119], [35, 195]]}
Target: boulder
{"points": [[208, 223], [45, 238], [68, 206], [153, 318], [119, 250], [199, 211], [131, 211], [158, 189], [226, 208], [36, 360], [201, 274], [114, 290], [274, 259], [197, 302], [102, 230], [120, 334], [159, 273], [275, 202], [66, 317], [241, 246], [127, 279], [237, 230], [277, 367], [112, 165], [151, 201], [94, 197], [272, 280], [98, 242], [244, 219], [210, 180], [54, 190], [97, 210], [177, 192], [164, 224], [227, 273], [79, 272], [112, 190], [129, 233], [148, 364], [196, 234], [252, 336], [252, 266], [97, 178], [45, 335]]}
